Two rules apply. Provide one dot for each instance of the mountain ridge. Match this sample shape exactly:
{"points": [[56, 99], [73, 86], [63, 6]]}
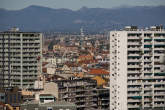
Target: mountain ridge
{"points": [[38, 18]]}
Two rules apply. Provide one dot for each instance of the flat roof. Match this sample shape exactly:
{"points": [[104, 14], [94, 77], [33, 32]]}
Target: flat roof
{"points": [[17, 32], [53, 104]]}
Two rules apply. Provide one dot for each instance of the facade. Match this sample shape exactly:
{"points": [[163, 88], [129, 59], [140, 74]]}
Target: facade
{"points": [[84, 93], [46, 98], [137, 66], [11, 96], [79, 91], [2, 96], [48, 106], [103, 99], [20, 58]]}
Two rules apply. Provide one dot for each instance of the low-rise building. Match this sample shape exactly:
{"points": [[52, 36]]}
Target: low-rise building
{"points": [[34, 105], [84, 92], [11, 96]]}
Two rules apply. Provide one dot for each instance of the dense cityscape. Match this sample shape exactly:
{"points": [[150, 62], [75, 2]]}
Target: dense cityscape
{"points": [[82, 55], [68, 70], [118, 70]]}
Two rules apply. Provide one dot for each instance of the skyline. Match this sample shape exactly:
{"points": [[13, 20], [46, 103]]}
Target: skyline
{"points": [[77, 4]]}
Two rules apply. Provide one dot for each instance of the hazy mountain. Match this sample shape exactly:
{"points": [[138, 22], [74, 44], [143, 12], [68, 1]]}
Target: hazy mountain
{"points": [[37, 18]]}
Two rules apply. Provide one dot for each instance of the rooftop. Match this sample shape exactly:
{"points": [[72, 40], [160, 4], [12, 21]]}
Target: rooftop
{"points": [[98, 71], [52, 104], [152, 28]]}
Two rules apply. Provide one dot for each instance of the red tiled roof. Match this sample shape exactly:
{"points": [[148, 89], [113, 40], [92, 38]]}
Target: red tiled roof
{"points": [[98, 71], [44, 63], [105, 52], [44, 70], [88, 61], [85, 57], [71, 64]]}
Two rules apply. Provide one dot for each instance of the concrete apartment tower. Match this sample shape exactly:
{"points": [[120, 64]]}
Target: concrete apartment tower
{"points": [[20, 58], [137, 67]]}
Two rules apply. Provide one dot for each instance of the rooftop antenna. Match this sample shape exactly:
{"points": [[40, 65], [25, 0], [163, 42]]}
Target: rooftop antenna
{"points": [[81, 32]]}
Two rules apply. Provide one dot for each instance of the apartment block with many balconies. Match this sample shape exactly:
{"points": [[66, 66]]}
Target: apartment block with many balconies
{"points": [[20, 58], [137, 66]]}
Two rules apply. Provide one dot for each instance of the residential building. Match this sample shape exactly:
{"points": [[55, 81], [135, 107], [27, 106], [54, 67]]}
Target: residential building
{"points": [[103, 98], [79, 91], [46, 98], [11, 96], [20, 58], [50, 88], [137, 66], [2, 96], [84, 92]]}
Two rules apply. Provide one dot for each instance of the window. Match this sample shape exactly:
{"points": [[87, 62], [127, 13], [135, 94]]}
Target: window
{"points": [[10, 98], [15, 99], [2, 97], [49, 108]]}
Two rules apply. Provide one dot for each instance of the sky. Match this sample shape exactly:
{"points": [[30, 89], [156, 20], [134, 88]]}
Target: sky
{"points": [[77, 4]]}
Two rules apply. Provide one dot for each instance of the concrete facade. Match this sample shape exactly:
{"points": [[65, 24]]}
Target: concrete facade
{"points": [[137, 66], [20, 58]]}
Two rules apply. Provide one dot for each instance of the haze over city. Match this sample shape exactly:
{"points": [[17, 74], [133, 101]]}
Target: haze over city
{"points": [[77, 4]]}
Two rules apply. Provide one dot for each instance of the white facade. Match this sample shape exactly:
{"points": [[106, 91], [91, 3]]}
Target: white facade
{"points": [[137, 67], [50, 68], [51, 60], [118, 70], [38, 85]]}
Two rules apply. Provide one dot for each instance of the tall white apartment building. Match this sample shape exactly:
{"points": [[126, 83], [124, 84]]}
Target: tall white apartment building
{"points": [[137, 66], [20, 58]]}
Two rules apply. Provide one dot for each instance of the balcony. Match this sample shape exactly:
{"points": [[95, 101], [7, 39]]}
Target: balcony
{"points": [[148, 105], [148, 71], [159, 99], [134, 54], [135, 99], [159, 43], [148, 43], [133, 60], [148, 37], [134, 66], [134, 43], [158, 77], [133, 49], [133, 94], [134, 89], [133, 77], [148, 88], [133, 106], [148, 66], [148, 77], [159, 48], [159, 93], [147, 49], [159, 105], [161, 82], [134, 83], [133, 37]]}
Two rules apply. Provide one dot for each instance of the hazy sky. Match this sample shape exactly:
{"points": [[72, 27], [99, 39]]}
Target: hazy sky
{"points": [[77, 4]]}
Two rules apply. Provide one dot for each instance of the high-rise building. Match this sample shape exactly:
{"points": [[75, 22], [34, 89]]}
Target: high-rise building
{"points": [[137, 66], [20, 58]]}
